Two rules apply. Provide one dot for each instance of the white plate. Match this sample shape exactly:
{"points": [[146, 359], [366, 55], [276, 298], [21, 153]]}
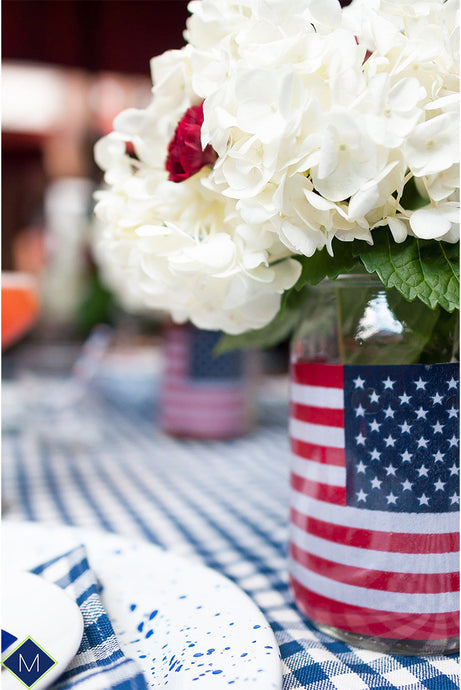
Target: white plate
{"points": [[37, 609], [188, 626]]}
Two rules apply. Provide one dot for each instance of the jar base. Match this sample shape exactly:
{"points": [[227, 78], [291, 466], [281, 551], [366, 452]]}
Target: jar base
{"points": [[390, 646], [186, 435]]}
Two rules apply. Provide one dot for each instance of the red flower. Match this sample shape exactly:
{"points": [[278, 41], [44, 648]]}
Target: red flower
{"points": [[185, 153]]}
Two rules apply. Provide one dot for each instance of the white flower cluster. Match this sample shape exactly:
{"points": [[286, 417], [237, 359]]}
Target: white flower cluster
{"points": [[325, 122], [181, 248]]}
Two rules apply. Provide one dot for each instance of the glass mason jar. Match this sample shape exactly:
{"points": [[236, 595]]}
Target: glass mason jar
{"points": [[374, 434], [202, 395]]}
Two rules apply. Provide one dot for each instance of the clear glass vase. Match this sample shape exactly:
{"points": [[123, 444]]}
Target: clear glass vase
{"points": [[374, 433]]}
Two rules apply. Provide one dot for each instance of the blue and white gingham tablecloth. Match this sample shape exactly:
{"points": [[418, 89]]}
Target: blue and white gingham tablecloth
{"points": [[225, 504], [99, 662]]}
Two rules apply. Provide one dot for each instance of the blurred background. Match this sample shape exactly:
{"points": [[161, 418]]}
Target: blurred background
{"points": [[68, 68]]}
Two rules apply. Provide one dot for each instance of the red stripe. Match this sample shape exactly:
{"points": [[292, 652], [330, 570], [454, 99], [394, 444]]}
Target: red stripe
{"points": [[207, 417], [392, 542], [322, 454], [325, 375], [365, 621], [175, 371], [214, 428], [177, 333], [428, 583], [317, 415], [175, 352], [321, 492]]}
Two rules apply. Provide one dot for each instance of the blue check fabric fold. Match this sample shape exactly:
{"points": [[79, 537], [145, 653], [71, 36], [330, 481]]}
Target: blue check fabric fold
{"points": [[99, 663]]}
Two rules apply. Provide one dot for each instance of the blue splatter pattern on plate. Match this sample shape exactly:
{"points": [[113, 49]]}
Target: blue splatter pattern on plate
{"points": [[188, 626]]}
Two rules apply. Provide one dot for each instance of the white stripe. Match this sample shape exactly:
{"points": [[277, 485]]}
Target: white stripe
{"points": [[205, 414], [101, 651], [396, 602], [183, 385], [374, 560], [318, 471], [317, 396], [328, 436], [379, 520]]}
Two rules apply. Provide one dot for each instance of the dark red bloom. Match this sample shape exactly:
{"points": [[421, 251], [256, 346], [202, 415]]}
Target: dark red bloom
{"points": [[185, 153]]}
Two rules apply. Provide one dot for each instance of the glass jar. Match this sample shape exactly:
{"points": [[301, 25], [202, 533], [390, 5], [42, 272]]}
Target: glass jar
{"points": [[374, 434], [202, 395]]}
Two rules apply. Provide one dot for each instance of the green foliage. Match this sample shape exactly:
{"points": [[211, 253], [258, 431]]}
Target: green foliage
{"points": [[418, 269], [278, 330], [411, 198], [96, 306], [322, 265], [424, 272], [443, 342]]}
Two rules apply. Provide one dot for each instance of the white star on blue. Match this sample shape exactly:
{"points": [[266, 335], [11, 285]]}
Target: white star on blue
{"points": [[410, 461], [359, 382]]}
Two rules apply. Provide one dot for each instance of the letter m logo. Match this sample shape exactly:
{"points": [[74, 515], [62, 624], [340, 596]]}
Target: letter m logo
{"points": [[22, 662], [29, 662]]}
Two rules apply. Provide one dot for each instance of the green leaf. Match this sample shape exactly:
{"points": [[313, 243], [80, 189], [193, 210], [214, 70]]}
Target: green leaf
{"points": [[443, 344], [411, 198], [322, 265], [96, 306], [280, 328], [423, 269], [418, 269], [416, 317]]}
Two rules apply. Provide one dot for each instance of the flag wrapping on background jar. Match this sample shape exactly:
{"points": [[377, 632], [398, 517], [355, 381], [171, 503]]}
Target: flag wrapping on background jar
{"points": [[202, 395]]}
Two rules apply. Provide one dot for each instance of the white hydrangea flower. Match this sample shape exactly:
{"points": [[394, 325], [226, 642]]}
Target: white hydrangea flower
{"points": [[320, 119], [433, 145], [417, 43], [438, 221], [171, 247]]}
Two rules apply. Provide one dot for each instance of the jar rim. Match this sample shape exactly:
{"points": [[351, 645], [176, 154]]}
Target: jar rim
{"points": [[360, 278]]}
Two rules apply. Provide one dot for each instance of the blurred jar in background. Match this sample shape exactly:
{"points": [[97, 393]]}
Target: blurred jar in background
{"points": [[204, 396]]}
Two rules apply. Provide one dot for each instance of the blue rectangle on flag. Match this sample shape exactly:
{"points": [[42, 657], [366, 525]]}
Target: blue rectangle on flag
{"points": [[402, 437], [205, 366]]}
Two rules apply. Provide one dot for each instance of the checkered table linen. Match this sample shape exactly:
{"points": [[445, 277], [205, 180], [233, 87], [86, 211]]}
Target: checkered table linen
{"points": [[224, 504], [99, 663]]}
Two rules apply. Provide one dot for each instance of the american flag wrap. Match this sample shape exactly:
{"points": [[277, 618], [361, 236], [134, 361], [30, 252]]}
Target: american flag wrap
{"points": [[374, 536], [202, 395]]}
